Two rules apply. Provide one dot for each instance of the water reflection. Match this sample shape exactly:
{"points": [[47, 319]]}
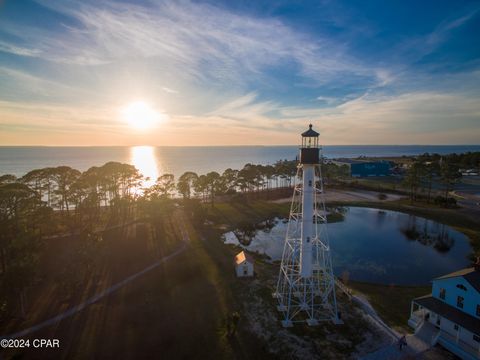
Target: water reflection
{"points": [[373, 245], [143, 158], [246, 231], [429, 233]]}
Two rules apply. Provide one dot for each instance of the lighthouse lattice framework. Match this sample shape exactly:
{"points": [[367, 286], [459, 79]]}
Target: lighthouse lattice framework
{"points": [[306, 284]]}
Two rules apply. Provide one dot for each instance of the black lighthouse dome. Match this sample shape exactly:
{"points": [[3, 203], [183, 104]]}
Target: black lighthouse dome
{"points": [[309, 151]]}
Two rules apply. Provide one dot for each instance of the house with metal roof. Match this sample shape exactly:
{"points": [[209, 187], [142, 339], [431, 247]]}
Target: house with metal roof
{"points": [[243, 264], [451, 313]]}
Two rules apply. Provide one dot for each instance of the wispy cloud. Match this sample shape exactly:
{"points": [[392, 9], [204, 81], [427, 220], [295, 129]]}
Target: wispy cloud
{"points": [[410, 118], [453, 24], [247, 112], [17, 50], [170, 91], [329, 100], [199, 39], [417, 47], [228, 76], [413, 118], [38, 88]]}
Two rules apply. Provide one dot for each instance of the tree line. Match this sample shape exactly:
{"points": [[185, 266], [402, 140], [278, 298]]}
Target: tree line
{"points": [[428, 169], [54, 200], [63, 200], [117, 186]]}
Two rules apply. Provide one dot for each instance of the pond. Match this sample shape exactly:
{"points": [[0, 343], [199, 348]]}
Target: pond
{"points": [[376, 246]]}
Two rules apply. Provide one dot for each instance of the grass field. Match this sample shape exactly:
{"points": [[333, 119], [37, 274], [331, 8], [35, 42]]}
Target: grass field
{"points": [[234, 214], [380, 296], [326, 341], [183, 308], [392, 303], [176, 311]]}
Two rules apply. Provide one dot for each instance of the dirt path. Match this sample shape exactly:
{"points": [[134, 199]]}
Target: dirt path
{"points": [[102, 294]]}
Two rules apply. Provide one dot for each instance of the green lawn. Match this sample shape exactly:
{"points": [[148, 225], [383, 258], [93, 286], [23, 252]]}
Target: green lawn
{"points": [[245, 296], [181, 309], [392, 303], [236, 213]]}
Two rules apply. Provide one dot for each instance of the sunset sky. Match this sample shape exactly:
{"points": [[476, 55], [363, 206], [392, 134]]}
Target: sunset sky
{"points": [[237, 73]]}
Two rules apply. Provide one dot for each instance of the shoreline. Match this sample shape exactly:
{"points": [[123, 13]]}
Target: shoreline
{"points": [[30, 157]]}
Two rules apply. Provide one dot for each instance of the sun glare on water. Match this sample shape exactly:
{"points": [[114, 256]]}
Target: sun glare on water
{"points": [[141, 115], [145, 160]]}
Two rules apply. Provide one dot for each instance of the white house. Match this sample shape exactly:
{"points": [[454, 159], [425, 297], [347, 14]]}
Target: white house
{"points": [[243, 264], [452, 311]]}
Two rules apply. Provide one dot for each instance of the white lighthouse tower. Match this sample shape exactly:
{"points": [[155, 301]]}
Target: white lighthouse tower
{"points": [[306, 284]]}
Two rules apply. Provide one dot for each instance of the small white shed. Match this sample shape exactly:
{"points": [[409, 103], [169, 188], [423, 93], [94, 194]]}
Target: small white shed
{"points": [[243, 264]]}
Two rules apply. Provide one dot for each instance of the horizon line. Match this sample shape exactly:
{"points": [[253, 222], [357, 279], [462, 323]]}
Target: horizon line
{"points": [[243, 145]]}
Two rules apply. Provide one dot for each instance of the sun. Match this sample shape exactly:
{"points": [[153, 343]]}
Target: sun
{"points": [[141, 115]]}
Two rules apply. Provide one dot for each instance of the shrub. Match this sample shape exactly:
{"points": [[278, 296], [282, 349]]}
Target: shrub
{"points": [[448, 202]]}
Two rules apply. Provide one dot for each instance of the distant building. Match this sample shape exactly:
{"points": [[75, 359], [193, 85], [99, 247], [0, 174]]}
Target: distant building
{"points": [[451, 313], [376, 168], [360, 168], [243, 264]]}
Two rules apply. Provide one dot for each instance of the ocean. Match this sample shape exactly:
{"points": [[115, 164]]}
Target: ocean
{"points": [[154, 161]]}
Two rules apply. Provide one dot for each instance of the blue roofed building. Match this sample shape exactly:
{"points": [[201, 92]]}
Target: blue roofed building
{"points": [[374, 168], [452, 311], [359, 168]]}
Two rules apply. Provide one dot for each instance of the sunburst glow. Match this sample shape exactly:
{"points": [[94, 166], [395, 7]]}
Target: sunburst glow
{"points": [[141, 115], [143, 158]]}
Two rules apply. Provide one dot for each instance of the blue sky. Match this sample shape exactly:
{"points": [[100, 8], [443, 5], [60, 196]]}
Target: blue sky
{"points": [[238, 72]]}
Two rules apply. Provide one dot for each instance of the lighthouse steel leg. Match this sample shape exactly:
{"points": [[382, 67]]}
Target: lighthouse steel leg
{"points": [[306, 285]]}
